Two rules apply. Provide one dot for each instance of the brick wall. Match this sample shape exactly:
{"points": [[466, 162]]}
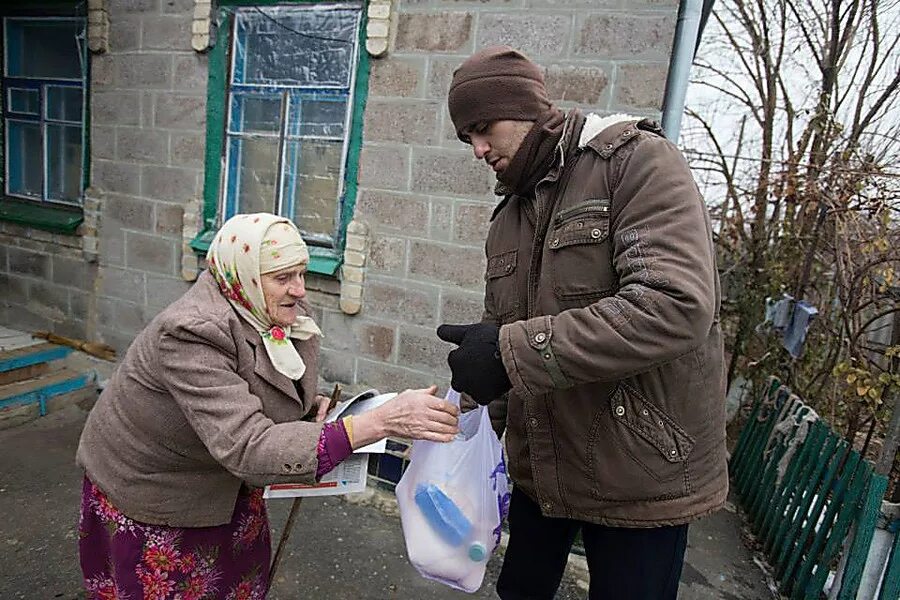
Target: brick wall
{"points": [[45, 284], [423, 195], [148, 103], [424, 198], [148, 115]]}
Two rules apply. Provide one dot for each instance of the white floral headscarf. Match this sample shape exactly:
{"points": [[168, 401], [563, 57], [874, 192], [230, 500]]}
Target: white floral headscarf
{"points": [[244, 248]]}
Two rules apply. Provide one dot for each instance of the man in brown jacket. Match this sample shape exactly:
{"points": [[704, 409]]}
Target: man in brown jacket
{"points": [[600, 350]]}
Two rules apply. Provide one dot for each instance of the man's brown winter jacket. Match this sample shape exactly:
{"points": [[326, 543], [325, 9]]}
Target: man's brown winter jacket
{"points": [[606, 289]]}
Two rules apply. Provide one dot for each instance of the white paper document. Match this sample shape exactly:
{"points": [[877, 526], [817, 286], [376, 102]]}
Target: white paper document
{"points": [[351, 474], [346, 478], [356, 406]]}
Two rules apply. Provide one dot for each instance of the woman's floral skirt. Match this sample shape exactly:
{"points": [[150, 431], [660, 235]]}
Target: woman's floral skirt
{"points": [[124, 559]]}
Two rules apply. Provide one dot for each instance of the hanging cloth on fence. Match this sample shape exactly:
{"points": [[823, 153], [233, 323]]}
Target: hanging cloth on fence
{"points": [[791, 430], [795, 442]]}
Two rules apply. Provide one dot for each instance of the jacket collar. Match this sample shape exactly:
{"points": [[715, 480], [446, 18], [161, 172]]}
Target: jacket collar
{"points": [[264, 368], [604, 135], [601, 134], [573, 123], [595, 125]]}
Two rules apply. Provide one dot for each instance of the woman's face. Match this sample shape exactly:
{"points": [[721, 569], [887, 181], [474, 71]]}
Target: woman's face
{"points": [[282, 290]]}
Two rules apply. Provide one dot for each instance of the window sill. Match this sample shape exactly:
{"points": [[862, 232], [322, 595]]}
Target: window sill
{"points": [[48, 218], [323, 261], [201, 243]]}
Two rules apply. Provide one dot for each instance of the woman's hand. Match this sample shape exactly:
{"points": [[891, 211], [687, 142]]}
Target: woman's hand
{"points": [[419, 415], [322, 402], [412, 414]]}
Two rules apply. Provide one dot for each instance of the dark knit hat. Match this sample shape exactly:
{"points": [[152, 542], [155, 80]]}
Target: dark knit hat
{"points": [[493, 84]]}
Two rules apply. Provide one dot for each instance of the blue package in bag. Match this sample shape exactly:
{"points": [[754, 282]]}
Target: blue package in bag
{"points": [[442, 514], [453, 498]]}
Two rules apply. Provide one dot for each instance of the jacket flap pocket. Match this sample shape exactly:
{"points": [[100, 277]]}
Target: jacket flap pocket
{"points": [[586, 228], [645, 419], [501, 264]]}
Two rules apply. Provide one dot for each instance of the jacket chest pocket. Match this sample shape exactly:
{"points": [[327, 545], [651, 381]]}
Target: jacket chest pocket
{"points": [[501, 285], [578, 254]]}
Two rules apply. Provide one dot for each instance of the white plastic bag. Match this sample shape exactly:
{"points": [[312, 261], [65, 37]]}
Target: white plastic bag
{"points": [[453, 498]]}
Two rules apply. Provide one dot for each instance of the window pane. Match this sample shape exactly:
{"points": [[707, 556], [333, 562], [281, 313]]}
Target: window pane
{"points": [[24, 101], [312, 178], [25, 158], [323, 118], [64, 162], [253, 113], [253, 174], [64, 103], [43, 48], [312, 46]]}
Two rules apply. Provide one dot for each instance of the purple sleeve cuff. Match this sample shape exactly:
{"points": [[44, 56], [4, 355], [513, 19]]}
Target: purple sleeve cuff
{"points": [[333, 447]]}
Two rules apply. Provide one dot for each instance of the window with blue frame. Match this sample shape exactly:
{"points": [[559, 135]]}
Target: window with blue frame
{"points": [[43, 109], [290, 106]]}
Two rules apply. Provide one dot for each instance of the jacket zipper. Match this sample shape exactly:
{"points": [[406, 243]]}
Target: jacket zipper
{"points": [[601, 206], [542, 226], [540, 232]]}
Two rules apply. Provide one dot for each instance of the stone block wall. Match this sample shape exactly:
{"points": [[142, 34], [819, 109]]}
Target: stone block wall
{"points": [[148, 119], [424, 197], [148, 115], [45, 283], [424, 200]]}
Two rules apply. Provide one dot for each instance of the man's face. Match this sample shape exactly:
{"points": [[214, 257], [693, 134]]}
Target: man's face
{"points": [[497, 142]]}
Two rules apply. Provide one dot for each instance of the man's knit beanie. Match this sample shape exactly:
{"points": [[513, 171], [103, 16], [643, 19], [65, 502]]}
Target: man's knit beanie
{"points": [[496, 83]]}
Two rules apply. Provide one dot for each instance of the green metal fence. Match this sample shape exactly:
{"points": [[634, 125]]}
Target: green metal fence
{"points": [[803, 488]]}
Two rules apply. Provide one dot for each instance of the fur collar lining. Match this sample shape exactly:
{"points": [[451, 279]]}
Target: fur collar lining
{"points": [[594, 124]]}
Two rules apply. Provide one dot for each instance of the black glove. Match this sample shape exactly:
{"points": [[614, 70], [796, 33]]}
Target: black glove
{"points": [[476, 365]]}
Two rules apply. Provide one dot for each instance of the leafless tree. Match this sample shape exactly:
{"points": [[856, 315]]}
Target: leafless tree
{"points": [[795, 134]]}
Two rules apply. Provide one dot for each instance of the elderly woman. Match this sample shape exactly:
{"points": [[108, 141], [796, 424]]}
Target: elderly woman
{"points": [[216, 398]]}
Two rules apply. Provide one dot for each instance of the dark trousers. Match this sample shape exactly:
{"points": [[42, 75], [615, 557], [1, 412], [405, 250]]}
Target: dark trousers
{"points": [[624, 563]]}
